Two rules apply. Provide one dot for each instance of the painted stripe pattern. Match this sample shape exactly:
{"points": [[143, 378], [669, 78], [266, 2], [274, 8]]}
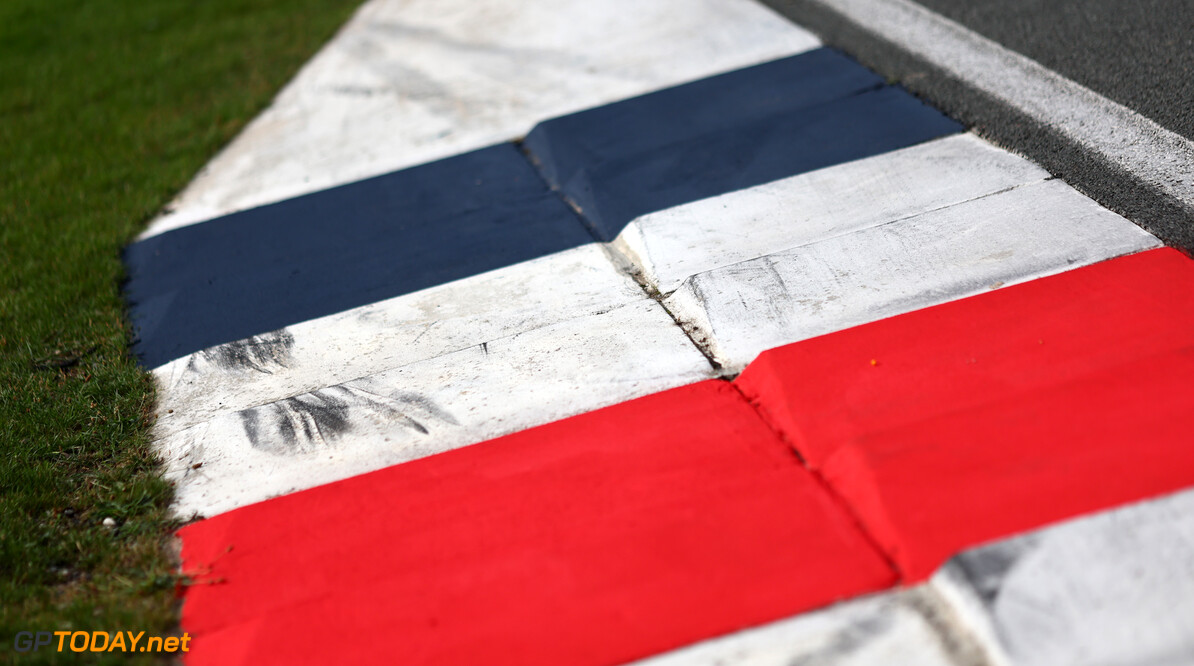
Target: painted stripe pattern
{"points": [[266, 268], [456, 220], [680, 489], [488, 406], [1018, 422], [407, 83]]}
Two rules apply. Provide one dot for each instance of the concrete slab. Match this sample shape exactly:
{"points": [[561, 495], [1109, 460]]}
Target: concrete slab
{"points": [[589, 541], [1114, 588], [740, 130], [890, 628], [381, 336], [260, 270], [937, 486], [671, 245], [1025, 233], [407, 82], [826, 392], [566, 146], [460, 398], [981, 418]]}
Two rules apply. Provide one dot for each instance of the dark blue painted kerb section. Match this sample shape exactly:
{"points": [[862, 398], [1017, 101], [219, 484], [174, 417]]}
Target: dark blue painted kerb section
{"points": [[726, 133], [260, 270], [263, 269]]}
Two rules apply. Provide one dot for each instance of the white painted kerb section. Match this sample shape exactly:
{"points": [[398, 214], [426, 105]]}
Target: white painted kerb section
{"points": [[410, 81], [463, 397], [1025, 233], [388, 334], [891, 629], [1111, 589], [670, 246]]}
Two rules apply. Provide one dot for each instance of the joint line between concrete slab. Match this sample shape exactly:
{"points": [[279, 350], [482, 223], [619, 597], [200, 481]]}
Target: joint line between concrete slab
{"points": [[627, 267], [620, 262], [855, 517], [572, 205]]}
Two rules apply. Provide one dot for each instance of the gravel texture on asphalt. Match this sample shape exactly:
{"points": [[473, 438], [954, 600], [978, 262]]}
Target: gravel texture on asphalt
{"points": [[1140, 54], [1119, 189]]}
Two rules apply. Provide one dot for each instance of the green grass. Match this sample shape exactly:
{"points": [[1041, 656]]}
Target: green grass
{"points": [[106, 111]]}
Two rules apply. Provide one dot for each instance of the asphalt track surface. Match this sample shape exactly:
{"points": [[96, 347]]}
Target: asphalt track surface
{"points": [[1135, 54], [1140, 54]]}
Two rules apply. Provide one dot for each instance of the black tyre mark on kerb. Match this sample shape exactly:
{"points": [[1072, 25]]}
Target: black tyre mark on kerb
{"points": [[848, 640], [311, 421], [986, 568], [261, 353]]}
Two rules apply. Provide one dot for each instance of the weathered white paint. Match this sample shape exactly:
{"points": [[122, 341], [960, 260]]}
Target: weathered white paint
{"points": [[409, 81], [1117, 134], [671, 245], [882, 630], [1114, 588], [1028, 232], [388, 334], [463, 397]]}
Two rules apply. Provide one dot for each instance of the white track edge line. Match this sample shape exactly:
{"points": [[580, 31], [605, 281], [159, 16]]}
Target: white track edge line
{"points": [[1155, 155]]}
